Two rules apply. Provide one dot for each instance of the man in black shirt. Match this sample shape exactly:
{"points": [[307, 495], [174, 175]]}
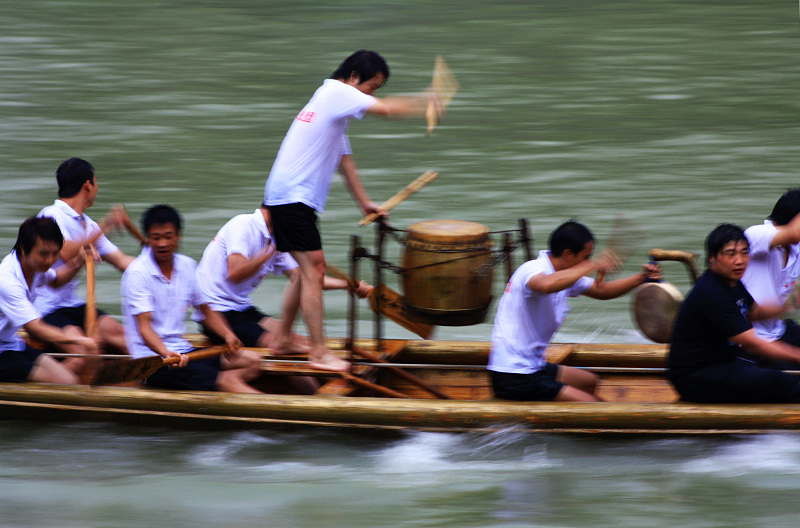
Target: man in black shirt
{"points": [[713, 327]]}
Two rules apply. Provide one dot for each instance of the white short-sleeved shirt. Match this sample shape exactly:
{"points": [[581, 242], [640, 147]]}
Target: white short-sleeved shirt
{"points": [[145, 289], [766, 278], [313, 148], [17, 300], [526, 320], [246, 235], [74, 226]]}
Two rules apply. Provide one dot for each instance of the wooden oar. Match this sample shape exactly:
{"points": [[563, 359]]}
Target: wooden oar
{"points": [[374, 386], [391, 304], [131, 227], [424, 179], [403, 374], [90, 320], [445, 86], [123, 370]]}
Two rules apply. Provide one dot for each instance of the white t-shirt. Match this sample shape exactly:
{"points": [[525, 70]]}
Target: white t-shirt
{"points": [[526, 320], [313, 148], [74, 226], [17, 300], [145, 289], [766, 278], [246, 235]]}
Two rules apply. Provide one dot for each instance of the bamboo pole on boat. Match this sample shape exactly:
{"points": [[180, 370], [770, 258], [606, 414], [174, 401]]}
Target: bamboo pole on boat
{"points": [[30, 400]]}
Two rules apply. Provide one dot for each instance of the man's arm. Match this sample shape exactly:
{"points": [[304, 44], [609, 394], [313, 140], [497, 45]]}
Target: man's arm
{"points": [[349, 171], [119, 260], [53, 334], [145, 323], [217, 323], [363, 288], [605, 262], [402, 105], [787, 234], [68, 270], [610, 290], [777, 350], [241, 268]]}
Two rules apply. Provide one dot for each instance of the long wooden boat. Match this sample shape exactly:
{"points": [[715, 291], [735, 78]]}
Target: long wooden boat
{"points": [[639, 399]]}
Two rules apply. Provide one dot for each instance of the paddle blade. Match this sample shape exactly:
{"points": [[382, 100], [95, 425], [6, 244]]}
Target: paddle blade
{"points": [[124, 370], [393, 307]]}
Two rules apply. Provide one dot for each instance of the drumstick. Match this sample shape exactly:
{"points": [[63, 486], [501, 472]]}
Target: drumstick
{"points": [[445, 87], [411, 188]]}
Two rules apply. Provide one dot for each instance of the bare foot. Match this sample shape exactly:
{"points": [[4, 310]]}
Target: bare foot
{"points": [[329, 361], [296, 345]]}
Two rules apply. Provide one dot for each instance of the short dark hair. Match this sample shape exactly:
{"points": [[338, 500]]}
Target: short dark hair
{"points": [[37, 228], [363, 64], [721, 236], [570, 235], [160, 214], [71, 175], [786, 208]]}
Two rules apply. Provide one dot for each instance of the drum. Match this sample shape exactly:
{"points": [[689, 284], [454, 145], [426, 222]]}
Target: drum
{"points": [[447, 278]]}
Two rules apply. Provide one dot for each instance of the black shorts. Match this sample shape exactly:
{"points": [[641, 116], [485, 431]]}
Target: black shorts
{"points": [[294, 227], [738, 381], [199, 375], [16, 366], [69, 316], [538, 386], [243, 323]]}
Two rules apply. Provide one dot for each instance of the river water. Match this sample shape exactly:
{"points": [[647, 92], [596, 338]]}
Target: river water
{"points": [[680, 115]]}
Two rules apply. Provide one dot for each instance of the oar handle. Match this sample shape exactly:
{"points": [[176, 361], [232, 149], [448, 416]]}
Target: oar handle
{"points": [[90, 321], [203, 353], [411, 188], [688, 258]]}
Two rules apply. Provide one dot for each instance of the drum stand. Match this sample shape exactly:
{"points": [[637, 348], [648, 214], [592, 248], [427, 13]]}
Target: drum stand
{"points": [[357, 252]]}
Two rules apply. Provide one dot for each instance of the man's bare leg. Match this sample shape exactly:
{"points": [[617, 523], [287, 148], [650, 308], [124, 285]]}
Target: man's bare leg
{"points": [[237, 371], [48, 370], [580, 385], [312, 275], [112, 334]]}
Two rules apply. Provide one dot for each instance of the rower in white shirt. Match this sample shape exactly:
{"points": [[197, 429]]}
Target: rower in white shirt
{"points": [[22, 273]]}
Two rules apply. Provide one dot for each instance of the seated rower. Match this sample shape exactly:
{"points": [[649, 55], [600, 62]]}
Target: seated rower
{"points": [[157, 290], [62, 307], [713, 328], [26, 268], [533, 307], [234, 263]]}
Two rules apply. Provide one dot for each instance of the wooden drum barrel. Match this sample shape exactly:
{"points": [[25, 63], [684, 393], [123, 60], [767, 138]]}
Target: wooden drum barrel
{"points": [[447, 277]]}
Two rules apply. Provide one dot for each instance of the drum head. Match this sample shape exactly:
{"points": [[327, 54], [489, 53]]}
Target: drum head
{"points": [[447, 230], [654, 306]]}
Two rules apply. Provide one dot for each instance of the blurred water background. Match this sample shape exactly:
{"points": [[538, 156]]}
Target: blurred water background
{"points": [[681, 115]]}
